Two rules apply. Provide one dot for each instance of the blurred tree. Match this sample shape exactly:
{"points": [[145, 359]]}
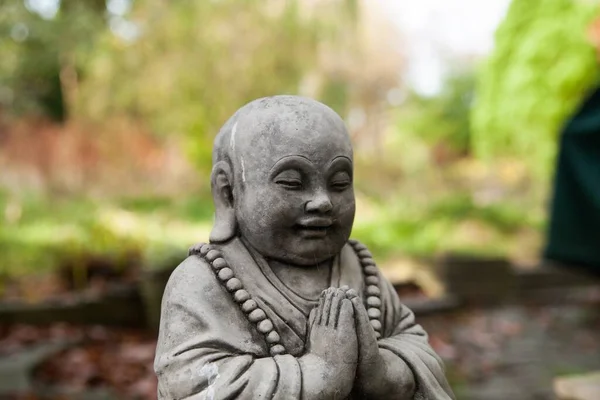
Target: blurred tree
{"points": [[186, 66], [42, 54], [541, 68], [360, 70], [443, 120]]}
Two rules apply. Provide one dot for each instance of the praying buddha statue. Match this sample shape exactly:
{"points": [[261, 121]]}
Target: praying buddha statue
{"points": [[281, 303]]}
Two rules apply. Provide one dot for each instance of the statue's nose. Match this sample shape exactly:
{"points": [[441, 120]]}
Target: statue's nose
{"points": [[320, 203]]}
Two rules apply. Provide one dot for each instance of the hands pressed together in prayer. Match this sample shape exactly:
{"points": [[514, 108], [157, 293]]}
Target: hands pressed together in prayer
{"points": [[342, 342]]}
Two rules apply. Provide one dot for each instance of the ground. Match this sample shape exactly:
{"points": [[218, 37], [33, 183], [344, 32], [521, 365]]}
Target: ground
{"points": [[512, 351]]}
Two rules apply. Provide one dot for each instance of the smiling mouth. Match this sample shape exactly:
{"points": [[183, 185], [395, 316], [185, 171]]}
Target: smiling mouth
{"points": [[313, 230]]}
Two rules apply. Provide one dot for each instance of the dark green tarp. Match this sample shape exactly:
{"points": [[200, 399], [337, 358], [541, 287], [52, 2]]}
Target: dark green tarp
{"points": [[574, 229]]}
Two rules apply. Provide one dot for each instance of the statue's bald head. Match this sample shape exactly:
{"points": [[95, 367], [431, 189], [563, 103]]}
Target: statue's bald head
{"points": [[273, 126], [282, 179]]}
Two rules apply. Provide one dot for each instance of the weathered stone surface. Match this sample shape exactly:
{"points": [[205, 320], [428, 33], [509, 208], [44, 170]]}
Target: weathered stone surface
{"points": [[282, 183]]}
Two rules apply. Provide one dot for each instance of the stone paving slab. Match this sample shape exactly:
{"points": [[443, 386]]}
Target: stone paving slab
{"points": [[15, 370], [515, 352], [578, 387]]}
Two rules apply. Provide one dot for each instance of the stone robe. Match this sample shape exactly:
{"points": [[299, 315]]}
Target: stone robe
{"points": [[207, 348]]}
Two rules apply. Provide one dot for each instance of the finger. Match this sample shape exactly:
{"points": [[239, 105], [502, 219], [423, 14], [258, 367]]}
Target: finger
{"points": [[346, 313], [327, 306], [363, 325], [311, 317], [319, 312], [351, 294], [334, 312], [345, 288]]}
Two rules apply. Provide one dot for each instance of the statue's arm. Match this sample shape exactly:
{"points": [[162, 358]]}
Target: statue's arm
{"points": [[207, 347], [409, 362]]}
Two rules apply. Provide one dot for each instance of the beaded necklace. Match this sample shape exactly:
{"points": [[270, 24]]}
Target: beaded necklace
{"points": [[258, 317]]}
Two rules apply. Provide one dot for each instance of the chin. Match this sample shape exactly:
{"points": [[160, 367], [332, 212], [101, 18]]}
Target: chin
{"points": [[308, 252], [299, 249], [304, 261]]}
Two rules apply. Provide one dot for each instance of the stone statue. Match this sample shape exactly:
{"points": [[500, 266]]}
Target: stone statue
{"points": [[281, 304]]}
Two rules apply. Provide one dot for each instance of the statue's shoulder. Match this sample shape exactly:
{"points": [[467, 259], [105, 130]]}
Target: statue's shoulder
{"points": [[194, 265], [205, 266], [195, 271]]}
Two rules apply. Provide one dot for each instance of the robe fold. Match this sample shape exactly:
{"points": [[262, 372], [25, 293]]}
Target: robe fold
{"points": [[208, 349]]}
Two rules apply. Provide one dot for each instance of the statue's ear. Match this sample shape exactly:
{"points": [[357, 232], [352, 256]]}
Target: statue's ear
{"points": [[221, 181]]}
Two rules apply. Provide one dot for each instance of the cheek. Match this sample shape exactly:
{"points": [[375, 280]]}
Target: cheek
{"points": [[286, 208], [345, 207], [270, 209]]}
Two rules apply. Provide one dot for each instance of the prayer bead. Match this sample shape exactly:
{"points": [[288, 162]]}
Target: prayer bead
{"points": [[249, 306], [225, 274], [372, 280], [367, 261], [277, 350], [212, 255], [273, 337], [373, 290], [265, 326], [219, 263], [374, 313], [257, 315], [374, 301], [204, 249], [370, 270], [241, 296], [376, 325], [365, 254], [359, 247], [233, 284]]}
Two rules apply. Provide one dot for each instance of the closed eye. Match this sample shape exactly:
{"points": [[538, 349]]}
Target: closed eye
{"points": [[340, 181], [290, 179], [340, 184], [291, 184]]}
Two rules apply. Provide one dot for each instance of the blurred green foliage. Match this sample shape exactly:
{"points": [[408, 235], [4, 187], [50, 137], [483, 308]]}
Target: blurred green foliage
{"points": [[42, 57], [74, 234], [194, 63], [443, 119], [423, 229], [539, 71], [182, 68], [70, 234]]}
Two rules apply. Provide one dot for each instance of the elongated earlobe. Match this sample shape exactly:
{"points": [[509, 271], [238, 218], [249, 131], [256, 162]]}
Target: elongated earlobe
{"points": [[225, 226]]}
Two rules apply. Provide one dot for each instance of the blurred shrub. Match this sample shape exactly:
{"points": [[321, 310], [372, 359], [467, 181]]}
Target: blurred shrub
{"points": [[66, 237], [80, 237], [452, 222], [42, 56], [540, 70], [443, 120], [193, 63]]}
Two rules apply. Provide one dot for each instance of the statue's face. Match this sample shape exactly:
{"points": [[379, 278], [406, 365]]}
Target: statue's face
{"points": [[296, 200]]}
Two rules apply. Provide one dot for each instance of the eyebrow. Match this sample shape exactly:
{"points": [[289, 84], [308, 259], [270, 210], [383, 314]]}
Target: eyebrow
{"points": [[344, 158], [300, 159], [291, 156], [277, 167]]}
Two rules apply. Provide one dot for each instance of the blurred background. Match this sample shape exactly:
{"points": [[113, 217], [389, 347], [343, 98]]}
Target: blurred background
{"points": [[456, 109]]}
